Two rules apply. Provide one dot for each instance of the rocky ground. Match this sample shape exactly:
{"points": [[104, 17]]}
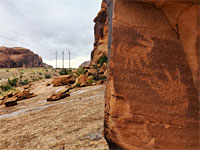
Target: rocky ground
{"points": [[75, 122]]}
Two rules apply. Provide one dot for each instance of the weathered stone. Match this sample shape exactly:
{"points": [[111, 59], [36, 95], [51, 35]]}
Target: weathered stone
{"points": [[18, 57], [82, 79], [63, 80], [11, 102], [101, 34], [48, 84], [92, 71], [152, 90], [60, 95], [103, 68]]}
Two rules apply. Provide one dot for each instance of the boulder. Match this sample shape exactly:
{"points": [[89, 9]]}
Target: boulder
{"points": [[11, 102], [92, 71], [153, 77], [85, 65], [59, 95], [48, 84], [82, 79], [103, 68], [26, 94], [63, 80]]}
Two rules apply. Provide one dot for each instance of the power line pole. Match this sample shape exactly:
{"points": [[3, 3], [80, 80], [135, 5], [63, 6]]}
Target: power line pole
{"points": [[63, 53], [69, 59], [56, 59]]}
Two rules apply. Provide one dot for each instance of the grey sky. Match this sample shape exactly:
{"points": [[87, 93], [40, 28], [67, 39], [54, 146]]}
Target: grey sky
{"points": [[46, 26]]}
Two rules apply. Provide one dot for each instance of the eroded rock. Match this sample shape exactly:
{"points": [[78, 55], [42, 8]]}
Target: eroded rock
{"points": [[152, 91], [59, 95], [63, 80]]}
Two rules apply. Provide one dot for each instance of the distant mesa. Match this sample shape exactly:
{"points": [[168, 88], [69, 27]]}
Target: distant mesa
{"points": [[17, 57]]}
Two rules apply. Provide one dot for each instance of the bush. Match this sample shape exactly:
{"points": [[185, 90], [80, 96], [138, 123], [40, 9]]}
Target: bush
{"points": [[6, 87], [102, 59], [13, 82], [65, 72], [97, 78], [47, 76], [25, 82], [78, 84], [80, 71], [91, 81]]}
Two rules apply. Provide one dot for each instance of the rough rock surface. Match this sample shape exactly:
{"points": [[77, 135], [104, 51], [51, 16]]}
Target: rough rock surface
{"points": [[19, 57], [152, 91], [85, 64], [59, 95], [101, 34], [63, 80]]}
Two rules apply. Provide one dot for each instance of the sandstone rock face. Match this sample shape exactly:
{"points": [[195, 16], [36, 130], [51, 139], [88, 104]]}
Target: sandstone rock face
{"points": [[101, 34], [152, 90], [18, 57]]}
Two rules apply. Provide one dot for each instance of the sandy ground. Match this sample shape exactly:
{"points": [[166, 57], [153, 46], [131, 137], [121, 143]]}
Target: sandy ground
{"points": [[74, 123]]}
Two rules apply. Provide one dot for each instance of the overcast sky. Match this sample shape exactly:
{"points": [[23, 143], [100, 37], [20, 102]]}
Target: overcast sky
{"points": [[47, 26]]}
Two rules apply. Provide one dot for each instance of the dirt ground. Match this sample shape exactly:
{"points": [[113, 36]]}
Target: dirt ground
{"points": [[74, 123]]}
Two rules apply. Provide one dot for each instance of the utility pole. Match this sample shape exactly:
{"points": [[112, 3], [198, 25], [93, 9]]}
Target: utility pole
{"points": [[63, 53], [69, 59], [56, 59]]}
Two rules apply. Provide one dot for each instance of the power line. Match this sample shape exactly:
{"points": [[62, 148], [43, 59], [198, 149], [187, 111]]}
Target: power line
{"points": [[69, 59], [7, 37], [63, 53]]}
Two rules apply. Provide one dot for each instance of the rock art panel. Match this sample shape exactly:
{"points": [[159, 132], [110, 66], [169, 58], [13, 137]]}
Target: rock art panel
{"points": [[152, 90]]}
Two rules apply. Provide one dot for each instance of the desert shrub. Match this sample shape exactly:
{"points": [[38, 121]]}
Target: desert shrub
{"points": [[91, 81], [102, 59], [47, 76], [25, 82], [6, 87], [97, 78], [80, 70], [65, 72], [78, 84], [40, 73], [13, 82]]}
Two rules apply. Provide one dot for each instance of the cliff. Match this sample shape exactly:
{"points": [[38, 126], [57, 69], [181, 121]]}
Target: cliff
{"points": [[19, 57], [100, 34], [153, 79]]}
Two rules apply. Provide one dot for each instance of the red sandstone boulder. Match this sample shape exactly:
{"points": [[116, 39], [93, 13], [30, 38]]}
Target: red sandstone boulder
{"points": [[82, 79], [63, 80], [60, 95]]}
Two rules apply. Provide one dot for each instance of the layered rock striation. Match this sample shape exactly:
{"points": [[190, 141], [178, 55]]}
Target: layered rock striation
{"points": [[153, 79], [19, 57]]}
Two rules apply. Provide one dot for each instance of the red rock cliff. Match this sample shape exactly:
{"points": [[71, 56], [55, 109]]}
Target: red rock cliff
{"points": [[153, 79], [18, 57], [101, 34]]}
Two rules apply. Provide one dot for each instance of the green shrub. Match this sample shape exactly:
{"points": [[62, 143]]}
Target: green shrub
{"points": [[6, 87], [91, 81], [102, 59], [25, 82], [13, 82], [97, 78], [47, 76], [78, 84], [80, 71], [65, 72]]}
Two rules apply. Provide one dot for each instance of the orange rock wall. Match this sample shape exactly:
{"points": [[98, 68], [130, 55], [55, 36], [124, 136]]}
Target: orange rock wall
{"points": [[100, 34], [153, 78]]}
